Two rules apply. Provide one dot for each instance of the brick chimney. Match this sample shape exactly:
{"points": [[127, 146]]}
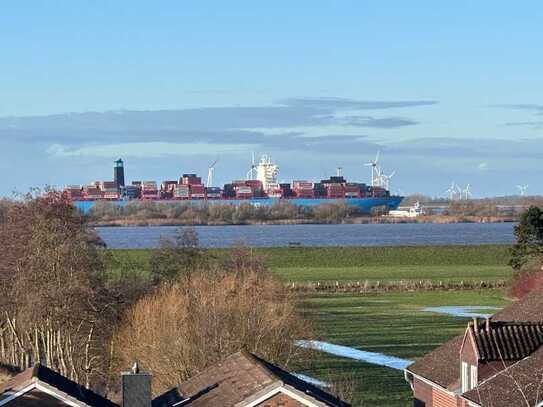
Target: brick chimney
{"points": [[136, 388]]}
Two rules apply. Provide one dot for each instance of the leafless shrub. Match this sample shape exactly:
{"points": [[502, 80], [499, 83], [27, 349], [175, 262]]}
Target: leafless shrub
{"points": [[7, 372], [205, 316], [343, 386]]}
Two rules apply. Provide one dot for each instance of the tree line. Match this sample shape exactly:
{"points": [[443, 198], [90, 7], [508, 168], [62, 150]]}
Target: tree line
{"points": [[221, 213]]}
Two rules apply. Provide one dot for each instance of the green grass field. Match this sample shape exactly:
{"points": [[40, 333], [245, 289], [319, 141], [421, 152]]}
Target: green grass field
{"points": [[392, 324], [309, 264]]}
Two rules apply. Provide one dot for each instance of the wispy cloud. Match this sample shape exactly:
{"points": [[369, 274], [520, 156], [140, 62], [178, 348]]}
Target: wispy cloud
{"points": [[342, 103], [536, 125], [290, 113], [144, 150], [538, 109], [227, 125]]}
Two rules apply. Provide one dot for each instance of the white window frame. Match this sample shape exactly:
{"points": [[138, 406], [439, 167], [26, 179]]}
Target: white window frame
{"points": [[473, 378], [465, 377]]}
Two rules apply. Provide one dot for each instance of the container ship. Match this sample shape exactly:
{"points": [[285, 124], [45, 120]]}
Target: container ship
{"points": [[260, 188]]}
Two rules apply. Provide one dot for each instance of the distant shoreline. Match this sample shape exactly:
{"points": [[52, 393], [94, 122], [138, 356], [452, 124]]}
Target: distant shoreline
{"points": [[436, 219]]}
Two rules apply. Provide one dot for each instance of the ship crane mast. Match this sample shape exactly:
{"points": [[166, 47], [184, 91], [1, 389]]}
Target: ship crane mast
{"points": [[251, 174]]}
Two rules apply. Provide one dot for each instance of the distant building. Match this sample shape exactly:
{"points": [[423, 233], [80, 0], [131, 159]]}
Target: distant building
{"points": [[241, 379], [498, 362], [118, 173]]}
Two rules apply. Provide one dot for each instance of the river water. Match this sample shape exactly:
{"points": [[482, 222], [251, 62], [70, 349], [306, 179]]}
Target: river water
{"points": [[405, 234]]}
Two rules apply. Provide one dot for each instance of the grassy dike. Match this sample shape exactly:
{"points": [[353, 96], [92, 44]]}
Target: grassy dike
{"points": [[347, 264]]}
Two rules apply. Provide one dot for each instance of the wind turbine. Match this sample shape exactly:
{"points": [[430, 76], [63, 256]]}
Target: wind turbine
{"points": [[210, 171], [375, 171], [251, 174], [385, 179], [522, 189], [467, 192], [452, 192]]}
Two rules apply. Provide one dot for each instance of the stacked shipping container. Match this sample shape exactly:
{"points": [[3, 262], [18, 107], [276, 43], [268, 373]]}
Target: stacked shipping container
{"points": [[190, 186]]}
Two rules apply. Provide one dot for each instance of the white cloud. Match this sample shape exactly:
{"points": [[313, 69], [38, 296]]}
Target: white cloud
{"points": [[483, 166], [142, 150]]}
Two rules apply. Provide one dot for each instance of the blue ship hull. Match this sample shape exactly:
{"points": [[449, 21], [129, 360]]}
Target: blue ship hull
{"points": [[365, 205]]}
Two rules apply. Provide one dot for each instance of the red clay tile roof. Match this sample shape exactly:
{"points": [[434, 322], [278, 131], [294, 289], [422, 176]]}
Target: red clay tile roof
{"points": [[519, 384], [56, 380], [241, 376], [507, 340]]}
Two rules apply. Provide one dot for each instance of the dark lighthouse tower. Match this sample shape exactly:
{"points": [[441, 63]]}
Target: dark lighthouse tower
{"points": [[118, 173]]}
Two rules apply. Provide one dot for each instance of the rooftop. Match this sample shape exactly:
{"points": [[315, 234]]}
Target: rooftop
{"points": [[242, 377]]}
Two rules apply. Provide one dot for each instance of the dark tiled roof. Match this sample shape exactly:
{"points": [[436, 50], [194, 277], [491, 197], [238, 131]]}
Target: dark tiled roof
{"points": [[442, 365], [528, 309], [59, 382], [301, 385], [519, 384], [507, 340], [241, 376]]}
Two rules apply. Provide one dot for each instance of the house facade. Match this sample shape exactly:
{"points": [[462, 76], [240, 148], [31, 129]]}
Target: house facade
{"points": [[496, 362]]}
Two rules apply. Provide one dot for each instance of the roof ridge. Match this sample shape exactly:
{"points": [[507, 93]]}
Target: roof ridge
{"points": [[46, 375], [241, 352], [260, 362]]}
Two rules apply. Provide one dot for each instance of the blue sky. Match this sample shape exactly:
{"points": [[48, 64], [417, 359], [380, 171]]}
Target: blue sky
{"points": [[446, 91]]}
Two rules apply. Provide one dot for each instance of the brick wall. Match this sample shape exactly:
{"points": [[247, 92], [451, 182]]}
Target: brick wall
{"points": [[422, 391], [432, 396], [442, 399], [281, 400]]}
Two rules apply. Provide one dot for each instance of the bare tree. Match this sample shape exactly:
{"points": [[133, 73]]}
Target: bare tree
{"points": [[55, 306], [180, 255]]}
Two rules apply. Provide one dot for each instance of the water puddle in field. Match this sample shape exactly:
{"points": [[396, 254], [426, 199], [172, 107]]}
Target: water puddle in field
{"points": [[311, 380], [356, 354], [465, 311]]}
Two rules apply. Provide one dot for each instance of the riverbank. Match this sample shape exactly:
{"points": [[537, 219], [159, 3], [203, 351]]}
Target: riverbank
{"points": [[362, 220]]}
